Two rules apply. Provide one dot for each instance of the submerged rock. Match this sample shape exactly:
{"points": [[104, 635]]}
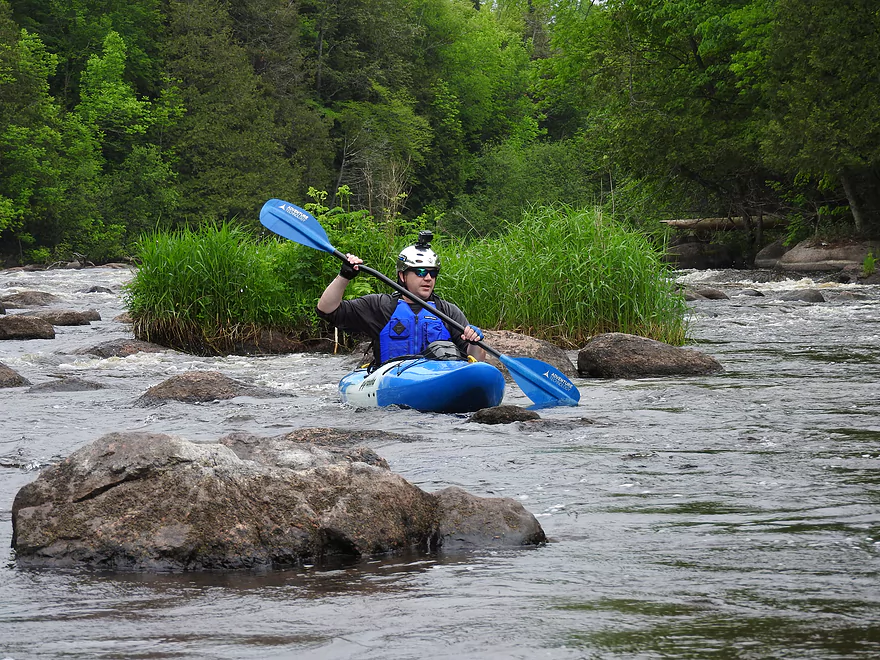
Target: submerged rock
{"points": [[121, 348], [711, 293], [11, 378], [503, 415], [66, 384], [201, 387], [619, 355], [158, 502], [67, 316], [803, 295]]}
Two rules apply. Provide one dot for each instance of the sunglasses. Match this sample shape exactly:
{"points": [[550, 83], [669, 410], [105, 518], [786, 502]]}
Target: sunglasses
{"points": [[424, 272]]}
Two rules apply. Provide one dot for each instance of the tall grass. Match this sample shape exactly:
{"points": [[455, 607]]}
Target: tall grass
{"points": [[564, 274], [207, 290]]}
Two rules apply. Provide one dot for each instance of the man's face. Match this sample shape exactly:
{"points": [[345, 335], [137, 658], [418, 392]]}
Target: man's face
{"points": [[421, 285]]}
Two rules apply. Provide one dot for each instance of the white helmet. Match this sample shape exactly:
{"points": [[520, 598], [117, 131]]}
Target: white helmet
{"points": [[419, 255]]}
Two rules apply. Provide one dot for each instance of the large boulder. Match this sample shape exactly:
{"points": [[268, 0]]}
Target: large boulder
{"points": [[21, 326], [158, 502], [515, 344], [619, 355], [812, 255], [769, 256]]}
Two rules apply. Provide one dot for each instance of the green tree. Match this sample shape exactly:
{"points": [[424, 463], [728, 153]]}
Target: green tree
{"points": [[75, 29], [821, 60], [136, 187], [659, 95], [354, 44], [280, 56], [382, 144], [229, 159], [48, 161], [476, 72]]}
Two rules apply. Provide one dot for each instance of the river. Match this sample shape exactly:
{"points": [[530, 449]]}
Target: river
{"points": [[727, 516]]}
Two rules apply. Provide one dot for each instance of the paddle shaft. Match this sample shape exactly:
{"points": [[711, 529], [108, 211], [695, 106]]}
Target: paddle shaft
{"points": [[416, 299]]}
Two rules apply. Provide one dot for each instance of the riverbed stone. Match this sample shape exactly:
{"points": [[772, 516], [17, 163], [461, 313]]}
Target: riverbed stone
{"points": [[621, 355], [711, 293], [813, 255], [23, 326], [803, 295], [28, 299], [11, 378], [66, 384], [503, 415], [768, 257], [516, 344], [66, 317], [201, 387], [160, 502], [121, 348], [468, 522]]}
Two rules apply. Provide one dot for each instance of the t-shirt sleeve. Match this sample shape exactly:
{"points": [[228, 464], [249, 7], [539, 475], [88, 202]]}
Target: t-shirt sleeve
{"points": [[362, 315]]}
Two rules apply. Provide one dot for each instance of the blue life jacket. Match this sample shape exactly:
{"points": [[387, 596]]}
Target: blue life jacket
{"points": [[407, 333]]}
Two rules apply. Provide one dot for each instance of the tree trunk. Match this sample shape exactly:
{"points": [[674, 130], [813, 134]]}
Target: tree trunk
{"points": [[861, 189]]}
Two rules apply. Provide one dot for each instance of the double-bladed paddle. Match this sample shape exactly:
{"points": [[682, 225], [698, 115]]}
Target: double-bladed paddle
{"points": [[541, 382]]}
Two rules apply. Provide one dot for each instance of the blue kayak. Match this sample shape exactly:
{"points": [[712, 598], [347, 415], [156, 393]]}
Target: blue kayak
{"points": [[448, 386]]}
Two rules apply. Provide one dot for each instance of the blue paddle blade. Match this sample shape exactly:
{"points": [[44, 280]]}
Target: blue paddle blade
{"points": [[295, 224], [543, 384]]}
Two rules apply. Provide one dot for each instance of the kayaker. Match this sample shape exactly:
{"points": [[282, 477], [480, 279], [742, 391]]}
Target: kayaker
{"points": [[396, 325]]}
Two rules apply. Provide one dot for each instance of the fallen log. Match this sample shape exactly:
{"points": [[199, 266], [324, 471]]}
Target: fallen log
{"points": [[720, 224]]}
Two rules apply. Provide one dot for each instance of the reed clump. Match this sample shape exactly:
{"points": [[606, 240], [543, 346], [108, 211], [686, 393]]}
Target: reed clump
{"points": [[565, 274], [562, 274], [208, 291]]}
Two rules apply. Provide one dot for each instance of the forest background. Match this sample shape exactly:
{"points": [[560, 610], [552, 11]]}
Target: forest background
{"points": [[120, 117]]}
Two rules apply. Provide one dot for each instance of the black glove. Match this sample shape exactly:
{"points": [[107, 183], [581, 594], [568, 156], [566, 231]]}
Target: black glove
{"points": [[347, 271]]}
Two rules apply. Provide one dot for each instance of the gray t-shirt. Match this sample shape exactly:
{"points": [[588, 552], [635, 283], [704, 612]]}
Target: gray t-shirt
{"points": [[368, 314]]}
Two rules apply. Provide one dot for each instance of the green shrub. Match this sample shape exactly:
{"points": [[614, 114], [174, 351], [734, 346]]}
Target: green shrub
{"points": [[564, 274], [206, 290], [869, 265], [561, 274]]}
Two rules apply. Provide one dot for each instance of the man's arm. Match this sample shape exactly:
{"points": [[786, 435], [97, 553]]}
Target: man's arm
{"points": [[332, 296]]}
